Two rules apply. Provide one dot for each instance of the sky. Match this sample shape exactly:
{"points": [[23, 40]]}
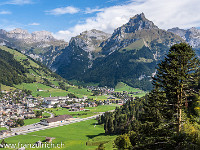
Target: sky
{"points": [[68, 18]]}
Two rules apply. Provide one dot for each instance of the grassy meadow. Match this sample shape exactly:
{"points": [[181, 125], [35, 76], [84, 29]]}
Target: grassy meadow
{"points": [[82, 114], [31, 121], [3, 128], [84, 135]]}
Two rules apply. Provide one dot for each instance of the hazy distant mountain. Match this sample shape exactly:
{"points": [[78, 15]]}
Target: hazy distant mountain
{"points": [[130, 54], [192, 36], [40, 45]]}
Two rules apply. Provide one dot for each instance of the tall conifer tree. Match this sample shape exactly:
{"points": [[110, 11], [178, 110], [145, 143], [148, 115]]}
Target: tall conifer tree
{"points": [[174, 79]]}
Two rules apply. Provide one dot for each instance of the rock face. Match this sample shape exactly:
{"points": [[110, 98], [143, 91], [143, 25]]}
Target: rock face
{"points": [[80, 54], [90, 41], [192, 36], [19, 34], [40, 45], [130, 54], [35, 37]]}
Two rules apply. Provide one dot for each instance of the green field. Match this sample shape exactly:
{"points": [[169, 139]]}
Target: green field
{"points": [[45, 114], [7, 88], [120, 87], [46, 89], [3, 128], [82, 114], [31, 121], [73, 136], [80, 92]]}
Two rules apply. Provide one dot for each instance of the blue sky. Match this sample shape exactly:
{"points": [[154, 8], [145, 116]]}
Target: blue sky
{"points": [[68, 18]]}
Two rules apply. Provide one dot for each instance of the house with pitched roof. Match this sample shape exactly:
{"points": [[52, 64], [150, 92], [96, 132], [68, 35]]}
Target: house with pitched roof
{"points": [[56, 120]]}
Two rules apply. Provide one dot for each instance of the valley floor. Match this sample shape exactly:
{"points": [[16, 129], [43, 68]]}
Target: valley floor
{"points": [[85, 135]]}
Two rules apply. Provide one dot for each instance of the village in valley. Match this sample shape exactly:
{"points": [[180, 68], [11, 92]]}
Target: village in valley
{"points": [[18, 106]]}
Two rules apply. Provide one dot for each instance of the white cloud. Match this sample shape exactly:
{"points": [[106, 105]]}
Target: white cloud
{"points": [[89, 10], [5, 12], [165, 14], [34, 24], [17, 2], [63, 10], [63, 34]]}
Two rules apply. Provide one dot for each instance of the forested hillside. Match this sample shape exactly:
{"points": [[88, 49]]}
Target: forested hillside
{"points": [[126, 67], [11, 71], [168, 117], [20, 71]]}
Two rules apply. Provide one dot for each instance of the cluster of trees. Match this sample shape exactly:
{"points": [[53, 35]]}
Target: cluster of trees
{"points": [[71, 95], [167, 118], [18, 122], [123, 118], [28, 92], [38, 113], [1, 94], [63, 86]]}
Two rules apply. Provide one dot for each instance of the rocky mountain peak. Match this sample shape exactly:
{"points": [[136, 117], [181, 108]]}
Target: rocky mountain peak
{"points": [[192, 35], [139, 22], [42, 36], [19, 34], [95, 34], [90, 40], [194, 31], [136, 23], [35, 37], [18, 31], [140, 31], [2, 31]]}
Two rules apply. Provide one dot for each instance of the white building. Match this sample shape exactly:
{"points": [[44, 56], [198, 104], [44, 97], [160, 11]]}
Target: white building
{"points": [[50, 101], [29, 104]]}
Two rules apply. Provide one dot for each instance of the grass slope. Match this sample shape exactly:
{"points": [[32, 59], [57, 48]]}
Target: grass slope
{"points": [[120, 87]]}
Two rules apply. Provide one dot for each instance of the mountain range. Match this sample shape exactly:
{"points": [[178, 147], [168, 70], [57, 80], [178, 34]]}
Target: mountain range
{"points": [[40, 45], [128, 55]]}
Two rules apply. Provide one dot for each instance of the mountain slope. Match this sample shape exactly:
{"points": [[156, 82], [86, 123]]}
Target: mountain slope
{"points": [[80, 54], [19, 71], [17, 68]]}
